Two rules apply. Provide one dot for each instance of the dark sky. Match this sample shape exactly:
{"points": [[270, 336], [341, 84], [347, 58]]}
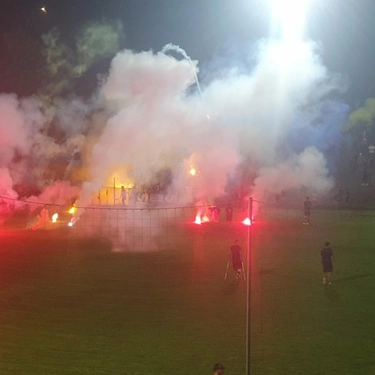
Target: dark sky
{"points": [[210, 28]]}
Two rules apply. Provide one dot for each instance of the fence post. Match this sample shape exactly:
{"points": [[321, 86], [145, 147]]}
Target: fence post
{"points": [[114, 191], [248, 299]]}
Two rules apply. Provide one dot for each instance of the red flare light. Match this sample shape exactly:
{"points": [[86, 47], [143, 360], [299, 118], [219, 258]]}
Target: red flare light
{"points": [[247, 221], [201, 219]]}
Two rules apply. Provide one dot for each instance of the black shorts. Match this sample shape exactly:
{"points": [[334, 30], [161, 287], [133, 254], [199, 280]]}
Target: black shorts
{"points": [[237, 264], [327, 267]]}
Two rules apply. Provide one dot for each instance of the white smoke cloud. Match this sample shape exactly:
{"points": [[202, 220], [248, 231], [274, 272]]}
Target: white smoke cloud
{"points": [[29, 157], [158, 123], [19, 120], [308, 169], [147, 117], [14, 133]]}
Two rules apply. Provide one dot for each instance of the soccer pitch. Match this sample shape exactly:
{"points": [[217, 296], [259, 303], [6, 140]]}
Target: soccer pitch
{"points": [[71, 306]]}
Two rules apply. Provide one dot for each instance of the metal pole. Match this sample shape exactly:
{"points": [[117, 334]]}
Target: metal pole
{"points": [[248, 289], [114, 191]]}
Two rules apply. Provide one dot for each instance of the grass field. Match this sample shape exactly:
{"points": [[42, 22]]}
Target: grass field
{"points": [[71, 306]]}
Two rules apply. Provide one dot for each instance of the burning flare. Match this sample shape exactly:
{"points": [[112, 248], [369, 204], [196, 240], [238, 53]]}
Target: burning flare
{"points": [[247, 221], [198, 220], [54, 217]]}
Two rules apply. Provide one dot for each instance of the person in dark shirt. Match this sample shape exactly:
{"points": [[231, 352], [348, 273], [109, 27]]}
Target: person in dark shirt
{"points": [[326, 254], [347, 196], [229, 214], [307, 210], [236, 255]]}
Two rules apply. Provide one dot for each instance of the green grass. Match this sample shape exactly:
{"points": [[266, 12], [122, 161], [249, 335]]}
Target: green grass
{"points": [[70, 306]]}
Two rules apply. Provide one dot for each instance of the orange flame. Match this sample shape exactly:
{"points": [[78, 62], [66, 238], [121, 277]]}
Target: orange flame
{"points": [[72, 210]]}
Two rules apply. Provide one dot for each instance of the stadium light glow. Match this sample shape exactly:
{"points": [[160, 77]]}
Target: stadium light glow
{"points": [[291, 15]]}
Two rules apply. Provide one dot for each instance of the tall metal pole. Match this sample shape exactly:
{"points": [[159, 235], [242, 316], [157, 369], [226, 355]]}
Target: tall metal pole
{"points": [[114, 191], [248, 289]]}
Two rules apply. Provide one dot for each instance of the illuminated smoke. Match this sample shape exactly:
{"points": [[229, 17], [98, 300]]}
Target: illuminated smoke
{"points": [[95, 42], [307, 169], [363, 116], [145, 119], [261, 108], [157, 124]]}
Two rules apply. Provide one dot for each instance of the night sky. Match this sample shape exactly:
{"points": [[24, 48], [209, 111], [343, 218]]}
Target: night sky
{"points": [[207, 29]]}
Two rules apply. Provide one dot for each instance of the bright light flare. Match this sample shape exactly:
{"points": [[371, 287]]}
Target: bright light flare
{"points": [[55, 217], [193, 171], [201, 219], [247, 222], [291, 15], [72, 221], [72, 210], [43, 9]]}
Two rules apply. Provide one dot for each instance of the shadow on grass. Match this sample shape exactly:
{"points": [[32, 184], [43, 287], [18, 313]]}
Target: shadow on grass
{"points": [[331, 293], [267, 271], [353, 277], [231, 287]]}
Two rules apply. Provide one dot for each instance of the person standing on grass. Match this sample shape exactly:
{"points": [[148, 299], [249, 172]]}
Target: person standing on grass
{"points": [[307, 210], [236, 255], [218, 369], [326, 253], [229, 214]]}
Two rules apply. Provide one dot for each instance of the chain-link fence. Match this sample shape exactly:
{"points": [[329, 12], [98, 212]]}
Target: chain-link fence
{"points": [[142, 227], [137, 195]]}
